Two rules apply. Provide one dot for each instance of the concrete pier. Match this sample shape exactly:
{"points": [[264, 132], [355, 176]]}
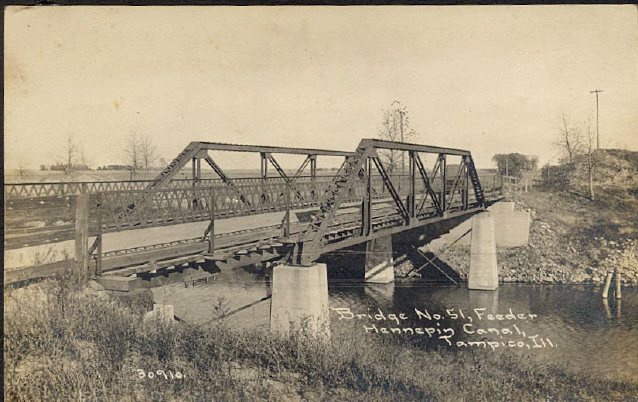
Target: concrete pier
{"points": [[379, 262], [512, 227], [502, 207], [122, 283], [483, 269], [300, 300]]}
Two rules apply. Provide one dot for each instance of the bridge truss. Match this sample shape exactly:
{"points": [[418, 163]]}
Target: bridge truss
{"points": [[362, 201]]}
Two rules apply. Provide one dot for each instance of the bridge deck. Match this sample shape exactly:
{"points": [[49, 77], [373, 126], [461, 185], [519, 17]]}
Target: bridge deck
{"points": [[240, 240]]}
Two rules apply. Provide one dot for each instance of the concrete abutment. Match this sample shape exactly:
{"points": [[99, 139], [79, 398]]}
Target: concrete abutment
{"points": [[300, 300]]}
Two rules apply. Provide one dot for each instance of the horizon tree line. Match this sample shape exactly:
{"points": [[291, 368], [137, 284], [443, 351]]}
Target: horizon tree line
{"points": [[138, 153]]}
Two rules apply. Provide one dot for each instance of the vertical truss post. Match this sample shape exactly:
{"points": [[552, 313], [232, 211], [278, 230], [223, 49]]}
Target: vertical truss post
{"points": [[366, 209], [264, 166], [313, 176], [462, 182], [194, 165], [466, 184], [211, 239], [412, 195], [197, 172], [264, 178], [443, 167], [287, 216]]}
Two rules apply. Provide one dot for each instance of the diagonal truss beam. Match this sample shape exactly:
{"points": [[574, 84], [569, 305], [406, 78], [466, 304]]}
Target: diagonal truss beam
{"points": [[290, 181], [312, 239], [388, 184], [456, 182], [225, 178], [428, 187]]}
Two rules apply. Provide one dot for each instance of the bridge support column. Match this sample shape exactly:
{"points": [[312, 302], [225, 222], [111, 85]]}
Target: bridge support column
{"points": [[483, 269], [300, 300], [379, 262]]}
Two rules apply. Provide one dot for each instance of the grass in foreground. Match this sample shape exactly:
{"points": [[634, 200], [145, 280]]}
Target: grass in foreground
{"points": [[61, 344]]}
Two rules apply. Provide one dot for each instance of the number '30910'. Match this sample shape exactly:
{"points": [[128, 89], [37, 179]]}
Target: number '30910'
{"points": [[160, 374]]}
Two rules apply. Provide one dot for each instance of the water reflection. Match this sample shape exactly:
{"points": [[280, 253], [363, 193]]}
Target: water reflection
{"points": [[382, 292], [484, 298], [589, 333]]}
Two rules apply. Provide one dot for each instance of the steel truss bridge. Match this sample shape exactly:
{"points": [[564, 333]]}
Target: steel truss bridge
{"points": [[316, 214]]}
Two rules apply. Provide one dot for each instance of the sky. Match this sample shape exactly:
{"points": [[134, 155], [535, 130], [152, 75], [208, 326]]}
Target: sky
{"points": [[489, 79]]}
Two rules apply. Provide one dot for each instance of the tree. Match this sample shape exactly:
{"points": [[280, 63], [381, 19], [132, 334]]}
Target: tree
{"points": [[579, 146], [132, 152], [396, 127], [22, 169], [513, 164], [569, 139], [68, 160], [532, 162], [148, 152]]}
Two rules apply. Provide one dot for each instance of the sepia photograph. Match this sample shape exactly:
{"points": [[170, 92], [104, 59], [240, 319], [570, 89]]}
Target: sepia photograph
{"points": [[320, 203]]}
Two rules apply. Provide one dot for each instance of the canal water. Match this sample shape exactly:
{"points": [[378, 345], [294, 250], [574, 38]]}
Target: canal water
{"points": [[568, 325]]}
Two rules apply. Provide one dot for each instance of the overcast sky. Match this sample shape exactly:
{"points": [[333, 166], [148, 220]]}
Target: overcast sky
{"points": [[490, 79]]}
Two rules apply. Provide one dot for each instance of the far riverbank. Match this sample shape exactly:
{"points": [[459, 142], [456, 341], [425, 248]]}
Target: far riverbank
{"points": [[572, 239]]}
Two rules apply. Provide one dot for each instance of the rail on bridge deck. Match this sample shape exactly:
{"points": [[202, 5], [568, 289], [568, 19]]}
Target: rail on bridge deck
{"points": [[365, 199]]}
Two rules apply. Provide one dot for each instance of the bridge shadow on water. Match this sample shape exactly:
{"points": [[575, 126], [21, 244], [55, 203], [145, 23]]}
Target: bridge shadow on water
{"points": [[348, 264]]}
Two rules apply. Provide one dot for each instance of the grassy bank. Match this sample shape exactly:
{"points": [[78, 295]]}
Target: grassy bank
{"points": [[573, 238], [64, 342]]}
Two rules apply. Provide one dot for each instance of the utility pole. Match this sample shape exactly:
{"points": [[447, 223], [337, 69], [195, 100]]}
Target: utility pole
{"points": [[597, 91]]}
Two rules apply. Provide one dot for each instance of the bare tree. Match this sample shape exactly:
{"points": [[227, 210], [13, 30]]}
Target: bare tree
{"points": [[148, 152], [132, 152], [70, 153], [396, 127], [22, 169], [569, 138]]}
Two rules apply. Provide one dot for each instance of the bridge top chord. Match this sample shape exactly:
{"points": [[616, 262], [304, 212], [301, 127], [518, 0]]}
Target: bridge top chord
{"points": [[219, 146], [405, 146]]}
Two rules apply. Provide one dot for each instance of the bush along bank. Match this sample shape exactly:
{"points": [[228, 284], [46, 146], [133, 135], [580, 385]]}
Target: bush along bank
{"points": [[62, 344], [572, 240]]}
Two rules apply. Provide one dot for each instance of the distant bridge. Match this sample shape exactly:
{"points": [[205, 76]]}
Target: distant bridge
{"points": [[295, 217]]}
